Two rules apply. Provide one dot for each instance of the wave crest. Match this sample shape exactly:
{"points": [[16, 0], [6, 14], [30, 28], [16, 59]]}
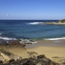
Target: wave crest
{"points": [[34, 23], [55, 38], [7, 38]]}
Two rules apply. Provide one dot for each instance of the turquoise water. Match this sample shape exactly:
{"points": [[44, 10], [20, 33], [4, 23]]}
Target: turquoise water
{"points": [[30, 29]]}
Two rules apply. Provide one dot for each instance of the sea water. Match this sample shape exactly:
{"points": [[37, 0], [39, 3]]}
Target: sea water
{"points": [[30, 29]]}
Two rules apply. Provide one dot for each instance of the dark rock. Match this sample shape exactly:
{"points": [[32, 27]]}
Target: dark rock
{"points": [[63, 63], [11, 61], [40, 56], [29, 63], [3, 41], [1, 62], [38, 60], [42, 60]]}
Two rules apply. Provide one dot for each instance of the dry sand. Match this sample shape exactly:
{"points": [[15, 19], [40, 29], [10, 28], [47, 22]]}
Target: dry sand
{"points": [[54, 48], [49, 51]]}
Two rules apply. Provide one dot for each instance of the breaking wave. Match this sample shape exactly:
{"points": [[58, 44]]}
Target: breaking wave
{"points": [[34, 23], [7, 38], [55, 38]]}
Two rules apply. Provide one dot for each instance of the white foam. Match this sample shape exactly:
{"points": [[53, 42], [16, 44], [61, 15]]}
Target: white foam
{"points": [[34, 23], [7, 38], [55, 38]]}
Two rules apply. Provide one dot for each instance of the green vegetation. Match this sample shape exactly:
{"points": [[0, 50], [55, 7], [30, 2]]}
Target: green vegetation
{"points": [[62, 21]]}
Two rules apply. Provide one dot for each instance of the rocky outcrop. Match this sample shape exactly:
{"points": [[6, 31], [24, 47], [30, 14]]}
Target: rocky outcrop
{"points": [[41, 60], [38, 60], [10, 43], [60, 22], [7, 58]]}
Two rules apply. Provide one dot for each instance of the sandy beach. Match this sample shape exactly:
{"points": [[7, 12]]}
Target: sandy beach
{"points": [[49, 51], [48, 48], [54, 50]]}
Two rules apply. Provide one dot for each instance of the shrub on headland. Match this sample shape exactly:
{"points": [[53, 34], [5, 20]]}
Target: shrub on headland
{"points": [[62, 21]]}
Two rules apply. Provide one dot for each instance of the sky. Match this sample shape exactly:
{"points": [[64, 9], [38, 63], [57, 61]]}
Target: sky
{"points": [[32, 9]]}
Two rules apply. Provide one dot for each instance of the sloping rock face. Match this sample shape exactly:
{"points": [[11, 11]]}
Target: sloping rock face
{"points": [[33, 59], [40, 60]]}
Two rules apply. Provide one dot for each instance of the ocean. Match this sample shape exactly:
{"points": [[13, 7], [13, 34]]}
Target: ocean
{"points": [[30, 29]]}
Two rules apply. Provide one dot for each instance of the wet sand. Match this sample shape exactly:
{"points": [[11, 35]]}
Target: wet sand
{"points": [[52, 43]]}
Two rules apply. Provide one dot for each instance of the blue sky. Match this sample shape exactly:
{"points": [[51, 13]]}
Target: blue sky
{"points": [[32, 9]]}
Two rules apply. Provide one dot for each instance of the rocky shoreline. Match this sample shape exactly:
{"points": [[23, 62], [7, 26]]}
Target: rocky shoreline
{"points": [[10, 57], [60, 22], [34, 59]]}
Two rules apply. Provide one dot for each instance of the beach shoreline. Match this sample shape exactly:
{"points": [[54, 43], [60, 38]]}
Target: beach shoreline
{"points": [[49, 48]]}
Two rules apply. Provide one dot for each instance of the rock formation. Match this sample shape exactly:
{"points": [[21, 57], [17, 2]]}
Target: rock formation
{"points": [[60, 22], [9, 59]]}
